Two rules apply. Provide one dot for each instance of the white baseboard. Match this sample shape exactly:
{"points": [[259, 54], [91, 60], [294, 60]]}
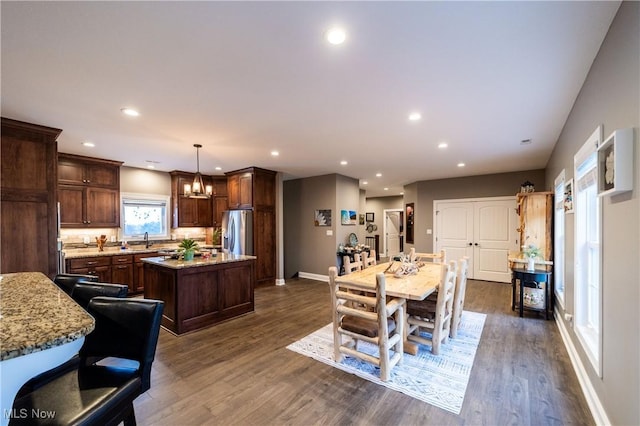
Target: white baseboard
{"points": [[597, 410], [280, 281], [316, 277]]}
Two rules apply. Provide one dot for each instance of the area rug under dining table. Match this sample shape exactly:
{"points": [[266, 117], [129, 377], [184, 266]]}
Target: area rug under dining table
{"points": [[440, 380]]}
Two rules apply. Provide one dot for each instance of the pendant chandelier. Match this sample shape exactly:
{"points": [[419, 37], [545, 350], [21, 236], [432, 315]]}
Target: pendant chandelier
{"points": [[197, 189]]}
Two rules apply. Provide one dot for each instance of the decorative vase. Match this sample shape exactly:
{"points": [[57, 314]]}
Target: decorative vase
{"points": [[531, 264], [188, 254]]}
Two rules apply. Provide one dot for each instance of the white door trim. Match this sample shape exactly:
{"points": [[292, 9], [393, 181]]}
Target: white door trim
{"points": [[384, 228]]}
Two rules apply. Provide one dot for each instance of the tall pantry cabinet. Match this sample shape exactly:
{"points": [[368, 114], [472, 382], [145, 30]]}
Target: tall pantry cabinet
{"points": [[28, 198], [254, 189]]}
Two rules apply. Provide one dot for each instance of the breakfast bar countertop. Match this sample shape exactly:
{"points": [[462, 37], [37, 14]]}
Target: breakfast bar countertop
{"points": [[36, 315], [218, 259]]}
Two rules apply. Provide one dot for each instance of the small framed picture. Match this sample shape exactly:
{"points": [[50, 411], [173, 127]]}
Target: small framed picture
{"points": [[568, 196], [322, 217], [369, 217], [361, 219]]}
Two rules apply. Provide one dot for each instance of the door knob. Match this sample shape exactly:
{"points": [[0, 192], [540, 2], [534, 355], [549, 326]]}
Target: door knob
{"points": [[470, 244]]}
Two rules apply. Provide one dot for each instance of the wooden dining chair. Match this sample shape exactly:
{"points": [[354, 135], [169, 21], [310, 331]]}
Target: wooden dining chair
{"points": [[351, 266], [458, 298], [369, 259], [373, 319], [433, 317]]}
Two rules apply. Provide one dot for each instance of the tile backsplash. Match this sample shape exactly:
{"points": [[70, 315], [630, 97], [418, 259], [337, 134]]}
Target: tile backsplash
{"points": [[82, 237]]}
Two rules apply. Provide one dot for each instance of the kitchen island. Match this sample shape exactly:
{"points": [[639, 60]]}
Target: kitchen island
{"points": [[200, 292], [41, 327]]}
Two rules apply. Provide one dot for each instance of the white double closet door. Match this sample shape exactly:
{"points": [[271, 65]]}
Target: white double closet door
{"points": [[484, 229]]}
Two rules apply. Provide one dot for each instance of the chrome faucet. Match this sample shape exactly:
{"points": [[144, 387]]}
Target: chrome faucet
{"points": [[147, 244]]}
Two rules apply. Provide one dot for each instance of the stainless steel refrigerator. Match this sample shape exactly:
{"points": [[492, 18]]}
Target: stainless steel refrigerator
{"points": [[237, 232]]}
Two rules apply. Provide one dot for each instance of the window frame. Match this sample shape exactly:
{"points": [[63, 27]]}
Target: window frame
{"points": [[559, 235], [131, 198], [585, 263]]}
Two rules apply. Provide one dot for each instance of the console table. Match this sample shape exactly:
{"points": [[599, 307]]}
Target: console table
{"points": [[533, 290]]}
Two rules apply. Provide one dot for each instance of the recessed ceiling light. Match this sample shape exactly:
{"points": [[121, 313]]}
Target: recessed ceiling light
{"points": [[402, 193], [443, 145], [415, 116], [150, 166], [343, 163], [378, 174], [336, 36], [386, 189], [218, 168], [364, 182], [274, 153], [88, 144], [461, 164], [130, 112]]}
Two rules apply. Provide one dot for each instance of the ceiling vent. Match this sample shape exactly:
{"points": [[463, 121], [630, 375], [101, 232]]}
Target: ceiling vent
{"points": [[525, 142]]}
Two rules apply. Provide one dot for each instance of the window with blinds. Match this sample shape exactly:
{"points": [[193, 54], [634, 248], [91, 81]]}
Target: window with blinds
{"points": [[587, 277], [145, 213]]}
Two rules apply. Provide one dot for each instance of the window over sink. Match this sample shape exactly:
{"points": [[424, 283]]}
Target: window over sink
{"points": [[145, 213]]}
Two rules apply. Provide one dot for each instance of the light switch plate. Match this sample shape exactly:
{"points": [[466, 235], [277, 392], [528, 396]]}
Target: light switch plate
{"points": [[429, 231], [329, 232]]}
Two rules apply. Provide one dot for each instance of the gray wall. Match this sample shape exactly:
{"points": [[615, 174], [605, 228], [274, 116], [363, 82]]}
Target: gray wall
{"points": [[495, 185], [144, 181], [308, 248], [610, 96]]}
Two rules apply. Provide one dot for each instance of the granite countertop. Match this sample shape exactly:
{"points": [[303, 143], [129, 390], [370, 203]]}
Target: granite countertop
{"points": [[36, 315], [220, 258]]}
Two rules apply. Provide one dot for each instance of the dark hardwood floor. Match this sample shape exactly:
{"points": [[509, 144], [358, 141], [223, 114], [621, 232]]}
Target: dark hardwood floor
{"points": [[240, 372]]}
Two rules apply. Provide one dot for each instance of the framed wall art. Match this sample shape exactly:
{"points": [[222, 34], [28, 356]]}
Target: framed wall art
{"points": [[322, 217], [568, 196], [370, 217], [348, 217]]}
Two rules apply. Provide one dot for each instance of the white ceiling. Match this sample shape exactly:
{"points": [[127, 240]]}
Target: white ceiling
{"points": [[245, 78]]}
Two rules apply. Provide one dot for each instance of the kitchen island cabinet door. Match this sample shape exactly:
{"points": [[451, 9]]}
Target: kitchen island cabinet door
{"points": [[236, 288]]}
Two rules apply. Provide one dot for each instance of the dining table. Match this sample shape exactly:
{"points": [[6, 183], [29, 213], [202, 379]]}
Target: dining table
{"points": [[408, 287]]}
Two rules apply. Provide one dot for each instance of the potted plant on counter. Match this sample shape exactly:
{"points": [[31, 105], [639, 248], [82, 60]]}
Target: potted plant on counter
{"points": [[188, 248]]}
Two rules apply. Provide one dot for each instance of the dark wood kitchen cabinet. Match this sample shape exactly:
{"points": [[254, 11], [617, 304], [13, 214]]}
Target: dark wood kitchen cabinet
{"points": [[100, 266], [122, 271], [88, 192], [255, 188], [189, 212], [138, 271], [28, 198], [240, 190], [79, 170], [220, 199]]}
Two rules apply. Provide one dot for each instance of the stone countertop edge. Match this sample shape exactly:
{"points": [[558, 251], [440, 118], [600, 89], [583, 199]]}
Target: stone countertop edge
{"points": [[37, 315], [220, 259]]}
